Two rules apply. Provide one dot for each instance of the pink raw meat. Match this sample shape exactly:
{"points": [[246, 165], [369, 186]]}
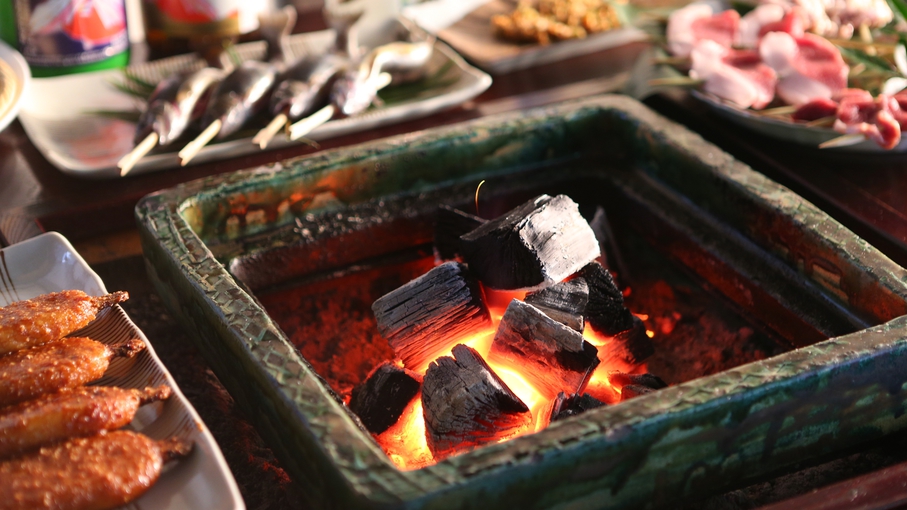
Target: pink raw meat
{"points": [[808, 67], [697, 22], [738, 76], [816, 109], [873, 119], [767, 18]]}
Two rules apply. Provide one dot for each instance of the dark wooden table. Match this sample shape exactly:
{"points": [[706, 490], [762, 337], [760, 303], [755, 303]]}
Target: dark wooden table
{"points": [[868, 194]]}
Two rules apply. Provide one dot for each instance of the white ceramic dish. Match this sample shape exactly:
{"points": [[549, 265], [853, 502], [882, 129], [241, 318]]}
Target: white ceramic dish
{"points": [[86, 145], [787, 131], [23, 78], [48, 263]]}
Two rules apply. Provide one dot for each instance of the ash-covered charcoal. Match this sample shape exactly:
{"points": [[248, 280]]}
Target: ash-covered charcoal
{"points": [[380, 400], [564, 302], [620, 379], [565, 406], [450, 224], [424, 317], [633, 390], [466, 404], [606, 311], [538, 244], [553, 357]]}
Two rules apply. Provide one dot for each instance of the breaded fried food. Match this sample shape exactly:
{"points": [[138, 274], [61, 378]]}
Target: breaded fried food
{"points": [[66, 363], [93, 473], [50, 317], [69, 413]]}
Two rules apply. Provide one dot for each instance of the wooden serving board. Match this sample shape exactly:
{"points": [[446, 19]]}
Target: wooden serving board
{"points": [[473, 38]]}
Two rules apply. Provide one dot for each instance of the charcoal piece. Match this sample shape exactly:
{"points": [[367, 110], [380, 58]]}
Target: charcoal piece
{"points": [[450, 224], [620, 379], [535, 245], [552, 357], [565, 406], [605, 312], [633, 345], [633, 390], [564, 302], [422, 319], [380, 400], [466, 404]]}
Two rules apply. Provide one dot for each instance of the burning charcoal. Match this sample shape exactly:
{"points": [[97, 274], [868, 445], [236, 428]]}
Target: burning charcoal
{"points": [[450, 224], [467, 405], [565, 407], [423, 318], [633, 390], [380, 400], [553, 357], [606, 311], [535, 245], [648, 380], [564, 302]]}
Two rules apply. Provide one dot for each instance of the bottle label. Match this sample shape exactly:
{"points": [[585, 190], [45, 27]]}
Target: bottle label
{"points": [[188, 18], [58, 33]]}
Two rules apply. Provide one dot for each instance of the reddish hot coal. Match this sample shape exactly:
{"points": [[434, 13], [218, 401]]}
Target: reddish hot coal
{"points": [[489, 374]]}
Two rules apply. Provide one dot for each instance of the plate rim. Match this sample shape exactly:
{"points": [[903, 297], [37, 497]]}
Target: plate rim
{"points": [[17, 62]]}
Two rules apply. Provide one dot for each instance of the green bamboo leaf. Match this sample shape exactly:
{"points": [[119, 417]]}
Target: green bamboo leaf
{"points": [[872, 62], [125, 115], [138, 82], [900, 7], [129, 90]]}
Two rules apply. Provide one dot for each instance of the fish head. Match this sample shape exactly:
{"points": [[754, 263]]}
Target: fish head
{"points": [[353, 93], [229, 110], [294, 98], [162, 118]]}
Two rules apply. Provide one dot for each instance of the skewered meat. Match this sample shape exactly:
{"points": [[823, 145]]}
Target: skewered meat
{"points": [[50, 317], [874, 119], [698, 22], [808, 67], [555, 20], [67, 363], [100, 472], [816, 109], [174, 104], [738, 76], [839, 18], [70, 413]]}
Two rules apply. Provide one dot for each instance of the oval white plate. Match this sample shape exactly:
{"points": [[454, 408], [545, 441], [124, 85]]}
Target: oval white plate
{"points": [[787, 131], [48, 263], [23, 75]]}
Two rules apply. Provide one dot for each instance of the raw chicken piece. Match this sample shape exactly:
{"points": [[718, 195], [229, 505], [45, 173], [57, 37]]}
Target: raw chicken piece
{"points": [[873, 119], [738, 76], [808, 67], [770, 18], [697, 22]]}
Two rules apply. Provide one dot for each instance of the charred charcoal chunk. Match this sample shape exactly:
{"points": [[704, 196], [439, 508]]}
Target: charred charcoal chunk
{"points": [[564, 302], [466, 404], [648, 380], [535, 245], [606, 311], [450, 224], [424, 317], [633, 390], [553, 357], [571, 406], [380, 400]]}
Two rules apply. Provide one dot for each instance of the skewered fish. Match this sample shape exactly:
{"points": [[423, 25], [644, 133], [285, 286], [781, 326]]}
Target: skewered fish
{"points": [[67, 363], [70, 413], [50, 317], [100, 472]]}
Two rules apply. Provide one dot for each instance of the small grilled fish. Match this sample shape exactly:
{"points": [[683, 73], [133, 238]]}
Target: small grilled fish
{"points": [[404, 61], [306, 85], [240, 96], [175, 104]]}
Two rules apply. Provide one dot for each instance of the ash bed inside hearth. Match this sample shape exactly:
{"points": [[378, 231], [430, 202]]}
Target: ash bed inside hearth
{"points": [[732, 272]]}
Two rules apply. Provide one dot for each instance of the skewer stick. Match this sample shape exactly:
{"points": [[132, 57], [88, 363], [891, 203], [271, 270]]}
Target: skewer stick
{"points": [[263, 137], [138, 152], [822, 122], [842, 141], [677, 81], [192, 148], [308, 124], [777, 111]]}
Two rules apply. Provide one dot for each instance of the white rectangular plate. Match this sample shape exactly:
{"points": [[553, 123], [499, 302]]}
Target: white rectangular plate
{"points": [[48, 263], [54, 113]]}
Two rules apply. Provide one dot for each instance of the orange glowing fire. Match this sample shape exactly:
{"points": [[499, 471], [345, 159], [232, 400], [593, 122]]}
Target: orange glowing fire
{"points": [[405, 442]]}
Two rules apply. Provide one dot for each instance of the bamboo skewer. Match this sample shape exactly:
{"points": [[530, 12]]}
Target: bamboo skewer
{"points": [[263, 137], [822, 122], [192, 148], [322, 116], [676, 81], [842, 141], [127, 162]]}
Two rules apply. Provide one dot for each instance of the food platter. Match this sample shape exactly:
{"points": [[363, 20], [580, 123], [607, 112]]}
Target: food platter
{"points": [[79, 143], [810, 136], [48, 263], [9, 107], [472, 37]]}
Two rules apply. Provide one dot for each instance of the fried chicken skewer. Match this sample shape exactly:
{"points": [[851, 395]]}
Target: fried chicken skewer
{"points": [[100, 472], [67, 363], [50, 317], [70, 413]]}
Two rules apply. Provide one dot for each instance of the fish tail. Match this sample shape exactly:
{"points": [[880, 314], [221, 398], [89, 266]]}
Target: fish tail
{"points": [[275, 30], [343, 21]]}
